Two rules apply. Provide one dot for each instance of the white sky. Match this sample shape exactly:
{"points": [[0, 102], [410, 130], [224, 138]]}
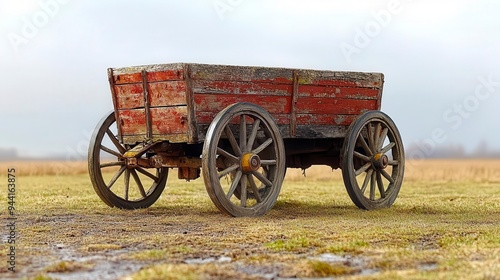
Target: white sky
{"points": [[54, 56]]}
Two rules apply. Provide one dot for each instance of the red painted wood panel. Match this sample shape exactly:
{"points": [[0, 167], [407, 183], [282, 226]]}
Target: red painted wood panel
{"points": [[217, 102], [334, 106], [129, 96], [167, 93], [165, 121], [132, 122], [169, 120], [207, 118]]}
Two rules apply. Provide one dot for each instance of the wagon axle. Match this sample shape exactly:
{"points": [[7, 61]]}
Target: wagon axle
{"points": [[250, 163], [380, 161]]}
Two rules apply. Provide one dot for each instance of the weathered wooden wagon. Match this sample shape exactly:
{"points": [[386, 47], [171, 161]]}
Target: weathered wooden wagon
{"points": [[240, 128]]}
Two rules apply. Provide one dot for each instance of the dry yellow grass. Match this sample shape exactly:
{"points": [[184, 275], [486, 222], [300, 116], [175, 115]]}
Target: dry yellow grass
{"points": [[441, 227], [43, 168], [476, 170]]}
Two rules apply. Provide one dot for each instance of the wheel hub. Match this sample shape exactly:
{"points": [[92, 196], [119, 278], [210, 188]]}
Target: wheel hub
{"points": [[380, 161], [250, 162]]}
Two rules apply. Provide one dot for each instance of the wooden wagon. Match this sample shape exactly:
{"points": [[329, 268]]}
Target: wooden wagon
{"points": [[240, 128]]}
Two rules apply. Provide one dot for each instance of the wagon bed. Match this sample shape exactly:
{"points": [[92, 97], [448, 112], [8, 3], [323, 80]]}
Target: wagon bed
{"points": [[239, 128], [177, 102]]}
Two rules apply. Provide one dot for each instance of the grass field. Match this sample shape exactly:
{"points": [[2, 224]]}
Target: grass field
{"points": [[445, 224]]}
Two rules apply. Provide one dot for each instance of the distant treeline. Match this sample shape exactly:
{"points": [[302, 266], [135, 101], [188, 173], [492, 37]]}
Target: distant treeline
{"points": [[421, 150]]}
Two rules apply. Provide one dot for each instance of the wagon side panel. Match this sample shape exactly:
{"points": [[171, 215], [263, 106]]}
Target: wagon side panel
{"points": [[215, 87], [327, 102]]}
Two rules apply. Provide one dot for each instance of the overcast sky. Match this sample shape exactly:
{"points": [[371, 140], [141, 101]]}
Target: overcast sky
{"points": [[440, 58]]}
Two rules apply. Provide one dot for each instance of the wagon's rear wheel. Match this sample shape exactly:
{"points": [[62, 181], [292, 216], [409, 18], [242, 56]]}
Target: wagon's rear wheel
{"points": [[373, 161], [114, 182], [243, 160]]}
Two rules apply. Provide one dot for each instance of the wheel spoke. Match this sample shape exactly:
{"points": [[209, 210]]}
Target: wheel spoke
{"points": [[387, 176], [372, 186], [139, 183], [380, 185], [393, 162], [253, 134], [262, 178], [361, 156], [234, 184], [228, 170], [267, 162], [110, 164], [243, 133], [376, 136], [382, 138], [388, 148], [127, 183], [364, 145], [115, 141], [110, 151], [227, 155], [367, 180], [243, 191], [263, 146], [232, 140], [371, 142], [116, 176], [156, 179], [363, 169], [255, 189]]}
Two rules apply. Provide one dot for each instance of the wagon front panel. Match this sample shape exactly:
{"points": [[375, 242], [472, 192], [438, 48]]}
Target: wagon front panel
{"points": [[151, 103]]}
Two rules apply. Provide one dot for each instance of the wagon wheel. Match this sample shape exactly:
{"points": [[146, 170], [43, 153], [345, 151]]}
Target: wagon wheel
{"points": [[243, 160], [117, 184], [373, 161]]}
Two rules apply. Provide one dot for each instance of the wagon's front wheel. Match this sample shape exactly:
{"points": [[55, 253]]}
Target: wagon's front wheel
{"points": [[117, 184], [243, 160], [373, 161]]}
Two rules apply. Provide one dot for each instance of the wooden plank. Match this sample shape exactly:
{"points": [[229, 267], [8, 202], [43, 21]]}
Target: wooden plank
{"points": [[164, 121], [129, 96], [132, 75], [167, 93], [320, 131], [338, 92], [192, 133], [241, 73], [241, 87], [334, 106], [217, 102], [132, 122], [169, 120], [325, 119], [207, 118], [340, 79]]}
